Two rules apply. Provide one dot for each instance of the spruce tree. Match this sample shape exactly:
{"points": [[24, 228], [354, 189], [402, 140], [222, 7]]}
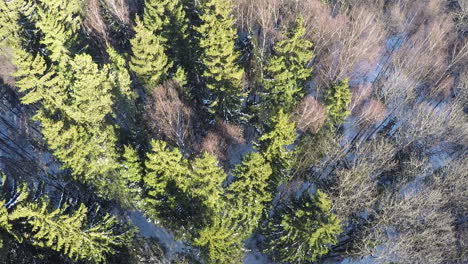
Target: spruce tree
{"points": [[274, 147], [10, 12], [149, 60], [222, 76], [125, 97], [132, 173], [91, 91], [165, 183], [221, 242], [337, 100], [287, 71], [302, 231], [30, 68], [168, 18], [83, 142], [121, 76], [71, 235], [205, 182], [59, 21], [90, 153], [248, 194], [32, 76]]}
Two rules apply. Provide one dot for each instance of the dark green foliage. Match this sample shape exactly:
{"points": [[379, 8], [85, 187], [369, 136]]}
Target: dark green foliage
{"points": [[55, 229], [303, 231], [180, 195], [222, 76], [287, 71], [248, 194], [337, 100], [274, 147]]}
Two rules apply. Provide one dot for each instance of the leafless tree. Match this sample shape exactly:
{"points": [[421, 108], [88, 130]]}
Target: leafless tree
{"points": [[121, 9], [94, 21], [346, 45], [218, 140], [432, 124], [453, 181], [310, 115], [414, 229], [168, 116], [356, 185]]}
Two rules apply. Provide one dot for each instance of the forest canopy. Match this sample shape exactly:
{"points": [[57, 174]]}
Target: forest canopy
{"points": [[233, 131]]}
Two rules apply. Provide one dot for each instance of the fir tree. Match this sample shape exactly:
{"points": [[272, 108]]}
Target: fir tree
{"points": [[287, 71], [222, 75], [337, 100], [274, 147], [248, 193], [303, 231], [149, 60]]}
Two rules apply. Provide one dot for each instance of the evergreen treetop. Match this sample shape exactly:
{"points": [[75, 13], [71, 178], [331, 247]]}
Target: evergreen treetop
{"points": [[287, 70], [206, 181], [273, 144], [166, 173], [59, 21], [303, 231], [162, 166], [90, 91], [222, 75], [221, 242], [248, 194], [337, 100], [149, 60], [70, 234], [132, 173]]}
